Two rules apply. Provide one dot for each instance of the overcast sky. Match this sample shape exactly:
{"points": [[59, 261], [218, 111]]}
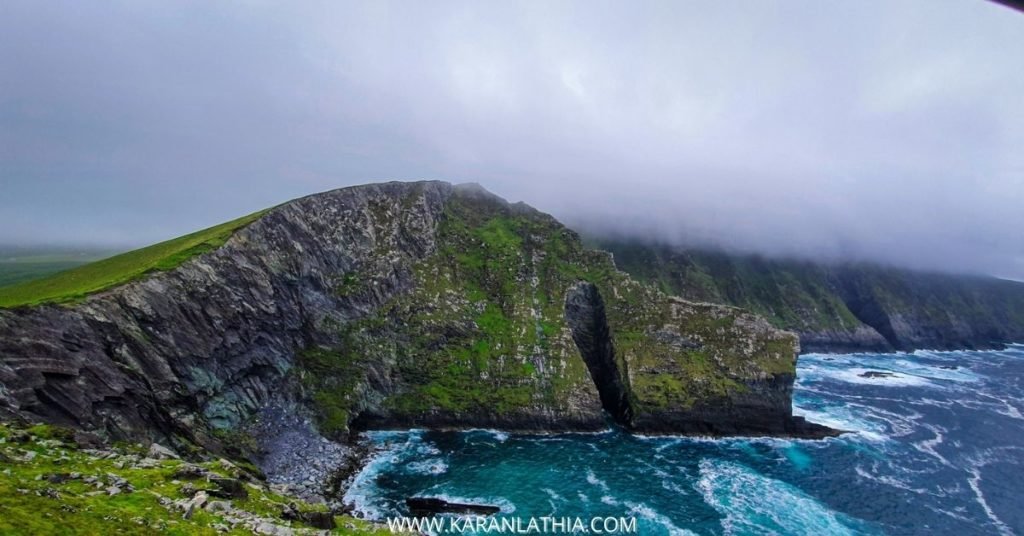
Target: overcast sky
{"points": [[887, 130]]}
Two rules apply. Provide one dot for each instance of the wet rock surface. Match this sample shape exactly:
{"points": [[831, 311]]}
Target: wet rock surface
{"points": [[429, 506], [876, 374]]}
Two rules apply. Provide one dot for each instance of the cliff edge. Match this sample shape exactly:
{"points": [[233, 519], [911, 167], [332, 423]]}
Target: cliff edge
{"points": [[396, 305]]}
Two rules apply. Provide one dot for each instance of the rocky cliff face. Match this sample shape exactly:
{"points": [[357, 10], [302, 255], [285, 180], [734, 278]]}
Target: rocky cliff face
{"points": [[395, 305], [839, 308]]}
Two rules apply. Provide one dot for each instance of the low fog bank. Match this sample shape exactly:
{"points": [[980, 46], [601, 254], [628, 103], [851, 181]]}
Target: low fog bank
{"points": [[880, 130], [899, 237]]}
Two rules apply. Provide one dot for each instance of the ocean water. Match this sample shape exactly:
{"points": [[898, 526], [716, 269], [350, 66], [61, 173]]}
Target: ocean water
{"points": [[936, 448]]}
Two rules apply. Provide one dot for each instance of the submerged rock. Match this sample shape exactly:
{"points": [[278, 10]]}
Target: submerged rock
{"points": [[876, 374], [429, 506]]}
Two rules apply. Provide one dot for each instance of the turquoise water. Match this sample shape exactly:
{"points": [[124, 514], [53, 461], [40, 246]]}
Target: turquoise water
{"points": [[937, 448]]}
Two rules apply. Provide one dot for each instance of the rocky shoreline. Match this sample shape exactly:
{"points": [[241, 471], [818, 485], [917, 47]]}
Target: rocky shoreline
{"points": [[320, 470], [293, 455], [297, 460]]}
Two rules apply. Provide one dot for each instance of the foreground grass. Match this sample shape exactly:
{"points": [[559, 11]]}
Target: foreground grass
{"points": [[77, 283], [48, 485]]}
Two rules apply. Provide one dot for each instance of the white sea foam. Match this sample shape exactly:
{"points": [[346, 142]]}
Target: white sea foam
{"points": [[752, 503], [432, 466], [667, 444], [902, 372], [427, 449], [645, 512], [1007, 408], [957, 515], [499, 435], [928, 446], [553, 494], [669, 485], [843, 418], [594, 481], [975, 483], [675, 440], [362, 491], [861, 375], [886, 479], [1010, 411]]}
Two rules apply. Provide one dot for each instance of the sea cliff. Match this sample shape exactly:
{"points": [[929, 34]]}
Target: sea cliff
{"points": [[396, 305]]}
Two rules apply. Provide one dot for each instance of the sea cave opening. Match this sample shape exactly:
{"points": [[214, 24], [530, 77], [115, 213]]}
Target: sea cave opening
{"points": [[585, 314]]}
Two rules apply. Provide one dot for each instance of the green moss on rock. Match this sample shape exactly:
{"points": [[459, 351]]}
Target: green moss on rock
{"points": [[482, 331]]}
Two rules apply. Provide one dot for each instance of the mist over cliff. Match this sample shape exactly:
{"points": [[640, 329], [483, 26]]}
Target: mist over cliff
{"points": [[868, 130], [393, 306]]}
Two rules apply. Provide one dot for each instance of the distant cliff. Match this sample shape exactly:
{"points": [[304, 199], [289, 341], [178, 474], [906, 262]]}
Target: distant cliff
{"points": [[838, 308], [396, 305]]}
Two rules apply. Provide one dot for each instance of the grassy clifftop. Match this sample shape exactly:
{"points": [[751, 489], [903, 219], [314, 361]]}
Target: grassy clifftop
{"points": [[79, 282]]}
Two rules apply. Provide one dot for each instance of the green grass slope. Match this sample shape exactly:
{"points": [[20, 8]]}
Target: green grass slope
{"points": [[77, 283]]}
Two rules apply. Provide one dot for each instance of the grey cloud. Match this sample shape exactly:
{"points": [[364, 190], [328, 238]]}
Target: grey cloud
{"points": [[885, 130]]}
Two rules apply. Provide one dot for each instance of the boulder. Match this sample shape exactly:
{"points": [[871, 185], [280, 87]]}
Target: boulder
{"points": [[161, 452], [228, 488]]}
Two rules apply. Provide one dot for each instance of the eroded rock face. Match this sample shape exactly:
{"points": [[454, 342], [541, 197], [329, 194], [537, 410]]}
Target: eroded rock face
{"points": [[584, 312], [392, 305], [213, 340]]}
